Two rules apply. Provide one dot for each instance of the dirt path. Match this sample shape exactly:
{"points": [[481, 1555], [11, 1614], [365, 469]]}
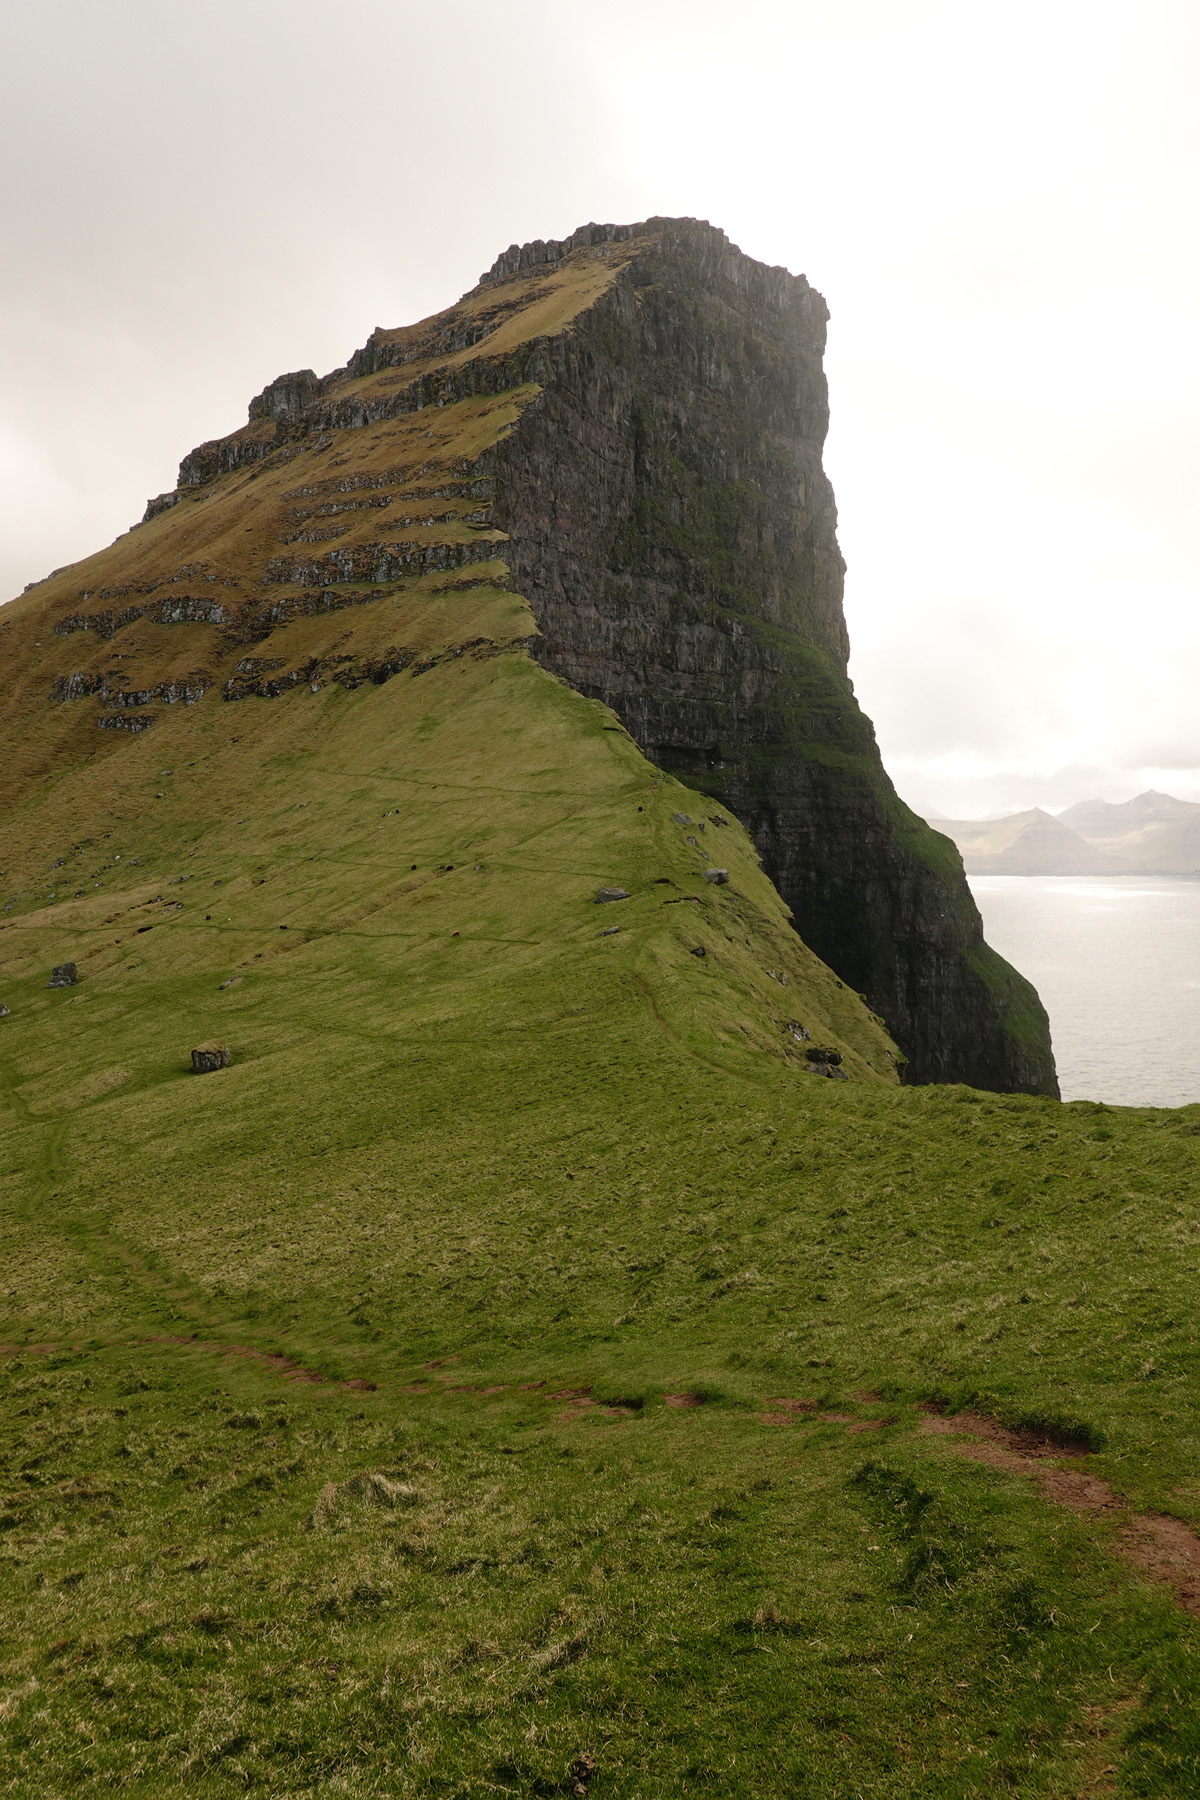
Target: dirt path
{"points": [[1163, 1548]]}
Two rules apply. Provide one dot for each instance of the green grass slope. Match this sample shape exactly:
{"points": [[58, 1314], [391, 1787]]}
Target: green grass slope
{"points": [[402, 1409]]}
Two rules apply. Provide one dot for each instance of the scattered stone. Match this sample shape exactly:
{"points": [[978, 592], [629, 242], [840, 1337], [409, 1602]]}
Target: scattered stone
{"points": [[719, 876], [830, 1070], [716, 819], [63, 975], [210, 1056], [605, 894], [232, 982], [582, 1770], [800, 1032], [822, 1053], [4, 1011], [611, 931], [699, 950], [681, 818]]}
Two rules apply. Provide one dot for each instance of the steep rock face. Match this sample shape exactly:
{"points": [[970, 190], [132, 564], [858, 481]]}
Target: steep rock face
{"points": [[673, 528]]}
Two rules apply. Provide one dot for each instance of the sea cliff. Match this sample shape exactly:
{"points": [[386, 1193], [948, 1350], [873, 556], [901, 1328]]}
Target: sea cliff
{"points": [[674, 530]]}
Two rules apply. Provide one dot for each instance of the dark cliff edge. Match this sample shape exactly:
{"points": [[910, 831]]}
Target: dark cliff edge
{"points": [[674, 530]]}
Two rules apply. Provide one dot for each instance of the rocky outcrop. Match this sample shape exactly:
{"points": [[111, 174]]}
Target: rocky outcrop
{"points": [[108, 686], [132, 722], [673, 528], [286, 396]]}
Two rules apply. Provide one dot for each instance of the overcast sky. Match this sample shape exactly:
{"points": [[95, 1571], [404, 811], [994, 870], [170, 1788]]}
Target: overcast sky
{"points": [[999, 202]]}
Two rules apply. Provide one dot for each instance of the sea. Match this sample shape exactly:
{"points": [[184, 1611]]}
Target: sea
{"points": [[1116, 960]]}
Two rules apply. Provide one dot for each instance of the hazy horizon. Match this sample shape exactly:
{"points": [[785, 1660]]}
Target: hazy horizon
{"points": [[990, 204], [1055, 811]]}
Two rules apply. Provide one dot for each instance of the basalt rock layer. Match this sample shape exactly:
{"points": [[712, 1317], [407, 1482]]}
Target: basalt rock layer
{"points": [[626, 428]]}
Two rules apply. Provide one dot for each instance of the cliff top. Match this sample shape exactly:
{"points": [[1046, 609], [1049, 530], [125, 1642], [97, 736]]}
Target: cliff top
{"points": [[326, 467]]}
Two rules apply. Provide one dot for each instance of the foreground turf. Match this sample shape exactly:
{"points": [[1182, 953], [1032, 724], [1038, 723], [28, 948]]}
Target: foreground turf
{"points": [[506, 1376]]}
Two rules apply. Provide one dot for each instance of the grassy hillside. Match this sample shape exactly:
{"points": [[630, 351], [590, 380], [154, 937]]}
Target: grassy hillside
{"points": [[516, 1372], [415, 1406]]}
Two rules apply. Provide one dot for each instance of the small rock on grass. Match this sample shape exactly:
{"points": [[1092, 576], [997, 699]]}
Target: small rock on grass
{"points": [[582, 1770], [63, 975], [210, 1056], [719, 876], [611, 931], [4, 1011], [605, 894]]}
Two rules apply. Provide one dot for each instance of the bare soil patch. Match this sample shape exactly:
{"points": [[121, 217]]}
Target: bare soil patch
{"points": [[1165, 1549]]}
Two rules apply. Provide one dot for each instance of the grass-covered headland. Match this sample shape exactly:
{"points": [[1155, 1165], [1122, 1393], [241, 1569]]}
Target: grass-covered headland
{"points": [[518, 1372]]}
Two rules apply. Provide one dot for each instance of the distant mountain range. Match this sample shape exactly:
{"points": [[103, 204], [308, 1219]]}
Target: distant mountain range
{"points": [[1152, 835]]}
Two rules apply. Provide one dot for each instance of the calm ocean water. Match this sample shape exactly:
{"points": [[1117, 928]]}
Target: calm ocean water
{"points": [[1116, 960]]}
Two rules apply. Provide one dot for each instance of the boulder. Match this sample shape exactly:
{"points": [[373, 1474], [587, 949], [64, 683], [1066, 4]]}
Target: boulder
{"points": [[207, 1057], [63, 975], [719, 876], [605, 894]]}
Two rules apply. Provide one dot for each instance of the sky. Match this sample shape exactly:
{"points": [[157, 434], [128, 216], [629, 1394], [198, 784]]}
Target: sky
{"points": [[999, 203]]}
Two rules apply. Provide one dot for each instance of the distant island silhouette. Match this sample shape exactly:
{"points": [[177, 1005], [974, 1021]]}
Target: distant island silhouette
{"points": [[1154, 834]]}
